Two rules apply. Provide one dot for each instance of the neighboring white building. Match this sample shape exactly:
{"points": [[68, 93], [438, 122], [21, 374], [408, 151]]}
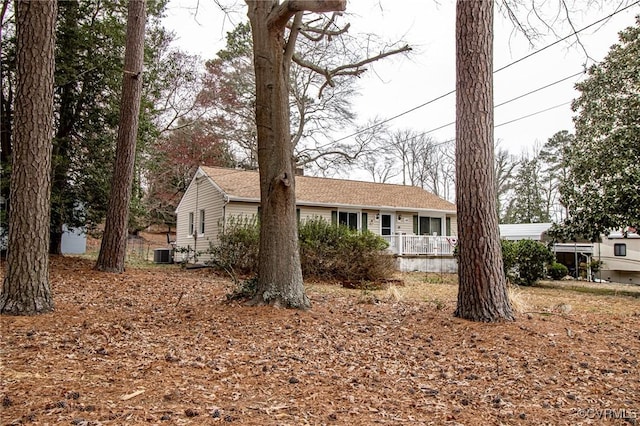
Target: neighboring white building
{"points": [[416, 223], [524, 231], [74, 240], [620, 257], [619, 254]]}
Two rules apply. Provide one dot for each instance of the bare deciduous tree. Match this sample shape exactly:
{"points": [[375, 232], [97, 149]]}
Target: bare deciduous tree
{"points": [[276, 26]]}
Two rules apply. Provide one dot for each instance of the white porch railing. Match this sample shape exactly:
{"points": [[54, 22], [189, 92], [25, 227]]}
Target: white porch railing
{"points": [[420, 244]]}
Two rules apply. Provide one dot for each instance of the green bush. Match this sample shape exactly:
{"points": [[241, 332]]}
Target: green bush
{"points": [[595, 266], [557, 271], [510, 259], [338, 252], [237, 250], [532, 256], [327, 252], [320, 247]]}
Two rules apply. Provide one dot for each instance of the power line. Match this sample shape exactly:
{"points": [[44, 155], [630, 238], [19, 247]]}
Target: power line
{"points": [[494, 72], [568, 36], [546, 86], [501, 124], [394, 117], [539, 89], [532, 114]]}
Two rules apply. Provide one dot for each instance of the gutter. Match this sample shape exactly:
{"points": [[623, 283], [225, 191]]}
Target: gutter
{"points": [[346, 206]]}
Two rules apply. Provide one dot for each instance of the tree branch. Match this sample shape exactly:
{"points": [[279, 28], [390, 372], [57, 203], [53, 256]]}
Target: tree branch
{"points": [[293, 36], [325, 31], [281, 14], [573, 28], [348, 69]]}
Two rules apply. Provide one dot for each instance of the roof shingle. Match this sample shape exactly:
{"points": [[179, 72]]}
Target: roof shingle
{"points": [[245, 185]]}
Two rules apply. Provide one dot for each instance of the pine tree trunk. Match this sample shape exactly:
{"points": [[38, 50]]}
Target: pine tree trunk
{"points": [[482, 294], [114, 241], [279, 272], [26, 289]]}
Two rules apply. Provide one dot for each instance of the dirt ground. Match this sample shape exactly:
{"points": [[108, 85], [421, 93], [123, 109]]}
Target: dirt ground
{"points": [[161, 345]]}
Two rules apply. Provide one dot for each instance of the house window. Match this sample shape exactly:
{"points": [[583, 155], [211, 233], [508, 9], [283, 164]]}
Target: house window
{"points": [[349, 219], [619, 249], [424, 225], [201, 229], [191, 223]]}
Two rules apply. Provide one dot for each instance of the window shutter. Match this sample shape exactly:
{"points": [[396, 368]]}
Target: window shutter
{"points": [[334, 217], [365, 224], [415, 224]]}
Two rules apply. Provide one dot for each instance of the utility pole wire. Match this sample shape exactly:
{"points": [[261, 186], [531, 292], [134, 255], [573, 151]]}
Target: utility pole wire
{"points": [[522, 117], [532, 114], [512, 100], [495, 71]]}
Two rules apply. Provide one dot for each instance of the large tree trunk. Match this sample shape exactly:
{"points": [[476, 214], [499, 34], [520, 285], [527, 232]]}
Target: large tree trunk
{"points": [[114, 241], [279, 272], [482, 294], [26, 289]]}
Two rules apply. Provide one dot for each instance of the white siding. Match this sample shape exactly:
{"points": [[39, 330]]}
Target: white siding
{"points": [[244, 210], [454, 226], [201, 195], [373, 224], [307, 213], [404, 223], [624, 269]]}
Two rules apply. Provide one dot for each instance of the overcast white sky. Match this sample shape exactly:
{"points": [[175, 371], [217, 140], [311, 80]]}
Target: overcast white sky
{"points": [[399, 85]]}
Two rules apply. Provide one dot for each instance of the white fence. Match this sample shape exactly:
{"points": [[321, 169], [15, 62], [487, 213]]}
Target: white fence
{"points": [[421, 244]]}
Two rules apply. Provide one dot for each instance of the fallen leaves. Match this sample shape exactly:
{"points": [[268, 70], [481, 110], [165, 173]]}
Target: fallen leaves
{"points": [[121, 349]]}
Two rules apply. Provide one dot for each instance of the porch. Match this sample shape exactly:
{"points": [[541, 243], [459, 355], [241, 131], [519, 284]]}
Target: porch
{"points": [[415, 245]]}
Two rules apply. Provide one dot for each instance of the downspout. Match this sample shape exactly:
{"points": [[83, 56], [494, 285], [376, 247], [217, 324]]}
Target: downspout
{"points": [[196, 217], [225, 197]]}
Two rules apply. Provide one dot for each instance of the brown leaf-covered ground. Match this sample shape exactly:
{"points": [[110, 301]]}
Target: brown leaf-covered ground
{"points": [[160, 345]]}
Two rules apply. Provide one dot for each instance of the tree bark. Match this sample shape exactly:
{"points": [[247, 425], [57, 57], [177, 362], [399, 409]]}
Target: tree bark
{"points": [[114, 241], [279, 272], [26, 289], [482, 294]]}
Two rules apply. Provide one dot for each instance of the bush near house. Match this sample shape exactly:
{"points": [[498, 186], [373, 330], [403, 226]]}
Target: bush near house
{"points": [[237, 252], [337, 252], [327, 252], [557, 271], [533, 256], [509, 259], [525, 261]]}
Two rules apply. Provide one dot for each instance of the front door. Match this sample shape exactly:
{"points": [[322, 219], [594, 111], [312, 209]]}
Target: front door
{"points": [[386, 224]]}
